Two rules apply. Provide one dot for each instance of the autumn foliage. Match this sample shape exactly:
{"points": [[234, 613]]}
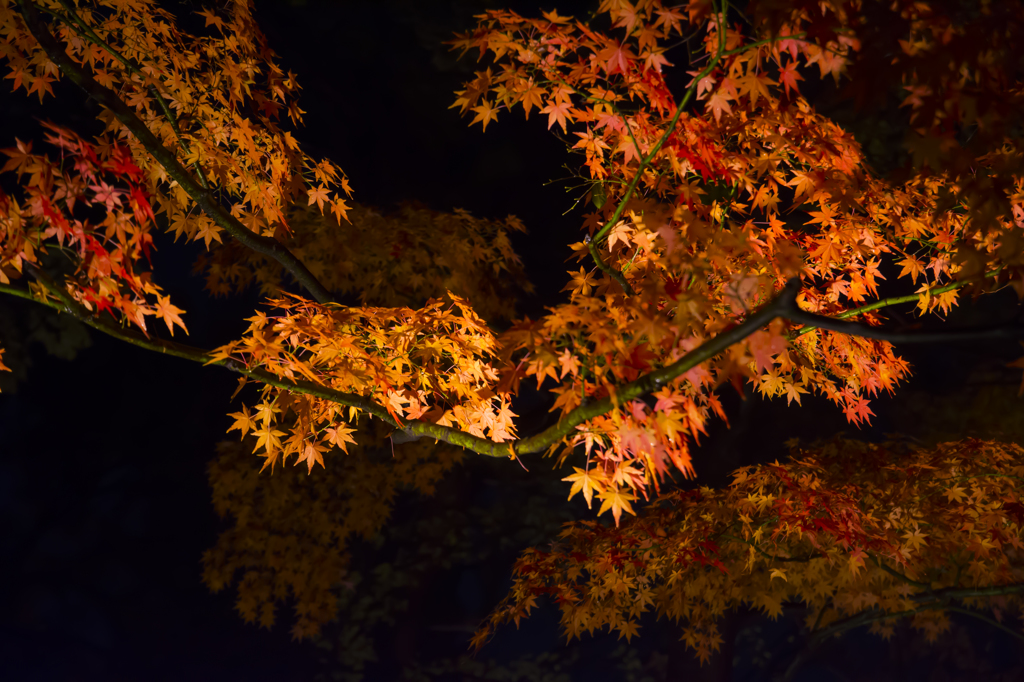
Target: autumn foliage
{"points": [[733, 235], [859, 534]]}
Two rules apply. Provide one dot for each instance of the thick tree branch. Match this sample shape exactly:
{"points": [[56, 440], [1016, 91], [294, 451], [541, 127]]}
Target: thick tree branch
{"points": [[784, 305], [933, 599], [415, 429], [652, 381], [267, 246], [985, 619], [65, 303], [418, 429]]}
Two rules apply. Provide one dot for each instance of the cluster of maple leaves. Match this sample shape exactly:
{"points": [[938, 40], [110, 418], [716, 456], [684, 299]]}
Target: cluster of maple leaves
{"points": [[87, 176], [799, 197], [706, 202], [397, 356], [211, 102], [852, 533]]}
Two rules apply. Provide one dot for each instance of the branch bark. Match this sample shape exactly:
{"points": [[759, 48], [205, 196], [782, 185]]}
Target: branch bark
{"points": [[784, 305]]}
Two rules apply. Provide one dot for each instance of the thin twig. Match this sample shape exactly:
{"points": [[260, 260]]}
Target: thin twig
{"points": [[897, 300], [985, 619]]}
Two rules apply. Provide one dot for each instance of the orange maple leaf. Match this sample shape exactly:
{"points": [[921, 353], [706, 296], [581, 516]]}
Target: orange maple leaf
{"points": [[588, 482], [169, 313], [485, 113], [558, 113], [318, 195], [719, 102]]}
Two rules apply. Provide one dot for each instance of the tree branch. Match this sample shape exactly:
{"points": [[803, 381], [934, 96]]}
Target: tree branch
{"points": [[67, 304], [768, 555], [935, 599], [652, 381], [267, 246], [948, 593], [858, 329], [985, 619], [909, 298], [932, 601], [896, 574], [646, 160], [416, 429], [784, 305], [594, 242], [612, 272]]}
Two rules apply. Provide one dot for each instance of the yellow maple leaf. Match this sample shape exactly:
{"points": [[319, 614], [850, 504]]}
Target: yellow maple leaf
{"points": [[582, 283], [618, 501], [915, 539], [628, 629], [586, 481], [340, 436], [243, 421]]}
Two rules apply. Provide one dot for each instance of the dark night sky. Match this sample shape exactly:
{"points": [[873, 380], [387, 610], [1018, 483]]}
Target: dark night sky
{"points": [[104, 503]]}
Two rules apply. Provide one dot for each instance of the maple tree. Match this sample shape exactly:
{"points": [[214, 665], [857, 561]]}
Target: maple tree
{"points": [[735, 235]]}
